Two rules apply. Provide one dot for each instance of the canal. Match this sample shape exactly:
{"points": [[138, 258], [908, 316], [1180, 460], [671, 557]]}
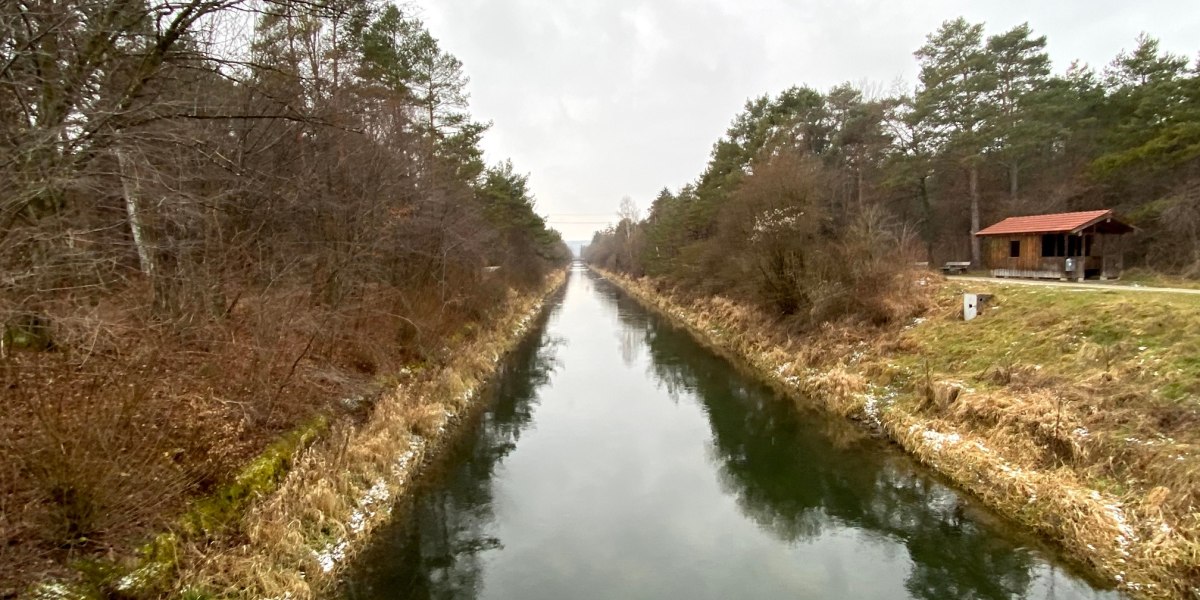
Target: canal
{"points": [[618, 458]]}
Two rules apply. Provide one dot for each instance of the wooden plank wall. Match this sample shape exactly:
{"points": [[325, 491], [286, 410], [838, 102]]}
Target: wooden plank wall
{"points": [[1105, 257], [997, 256]]}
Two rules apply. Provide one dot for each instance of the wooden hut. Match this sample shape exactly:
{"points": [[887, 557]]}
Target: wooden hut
{"points": [[1064, 246]]}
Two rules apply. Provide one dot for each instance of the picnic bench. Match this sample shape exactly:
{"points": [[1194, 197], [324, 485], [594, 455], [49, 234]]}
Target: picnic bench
{"points": [[954, 267]]}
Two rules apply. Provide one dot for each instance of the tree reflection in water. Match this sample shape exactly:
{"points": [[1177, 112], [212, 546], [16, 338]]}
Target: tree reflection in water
{"points": [[799, 475], [793, 482], [436, 551]]}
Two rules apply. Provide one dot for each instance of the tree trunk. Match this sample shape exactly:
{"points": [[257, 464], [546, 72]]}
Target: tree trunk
{"points": [[858, 184], [133, 207], [926, 217], [1013, 177], [976, 253]]}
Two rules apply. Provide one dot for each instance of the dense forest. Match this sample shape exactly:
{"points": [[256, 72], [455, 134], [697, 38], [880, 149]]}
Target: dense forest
{"points": [[814, 201], [220, 217]]}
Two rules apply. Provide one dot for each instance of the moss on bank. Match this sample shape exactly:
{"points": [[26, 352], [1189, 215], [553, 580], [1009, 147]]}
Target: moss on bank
{"points": [[150, 572], [289, 519], [211, 515], [1072, 412], [293, 542]]}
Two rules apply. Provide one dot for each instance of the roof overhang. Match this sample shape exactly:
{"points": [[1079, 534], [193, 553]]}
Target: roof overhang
{"points": [[1099, 221]]}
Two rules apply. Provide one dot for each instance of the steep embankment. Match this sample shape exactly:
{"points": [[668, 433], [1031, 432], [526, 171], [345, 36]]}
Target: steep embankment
{"points": [[294, 543], [292, 518], [1073, 412]]}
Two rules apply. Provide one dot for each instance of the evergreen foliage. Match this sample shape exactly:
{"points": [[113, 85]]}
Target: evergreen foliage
{"points": [[989, 132]]}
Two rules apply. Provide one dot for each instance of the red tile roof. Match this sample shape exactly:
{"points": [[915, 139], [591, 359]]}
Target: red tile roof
{"points": [[1055, 223]]}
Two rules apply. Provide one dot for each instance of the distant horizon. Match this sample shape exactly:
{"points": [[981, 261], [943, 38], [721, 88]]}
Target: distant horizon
{"points": [[577, 246]]}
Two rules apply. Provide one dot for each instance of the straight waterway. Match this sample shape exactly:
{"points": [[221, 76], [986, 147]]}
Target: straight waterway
{"points": [[619, 458]]}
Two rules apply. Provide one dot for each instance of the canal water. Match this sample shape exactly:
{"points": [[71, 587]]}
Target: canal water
{"points": [[620, 459]]}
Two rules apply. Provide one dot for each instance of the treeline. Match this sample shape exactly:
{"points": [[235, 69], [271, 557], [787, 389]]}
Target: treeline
{"points": [[812, 202], [218, 217]]}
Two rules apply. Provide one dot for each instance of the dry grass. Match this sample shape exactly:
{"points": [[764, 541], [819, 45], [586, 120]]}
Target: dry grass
{"points": [[128, 427], [293, 543], [1074, 413]]}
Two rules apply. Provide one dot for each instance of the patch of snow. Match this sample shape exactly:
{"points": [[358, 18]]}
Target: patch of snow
{"points": [[54, 591], [376, 495], [871, 410], [402, 462], [138, 579], [368, 506], [332, 555], [876, 401], [938, 439], [1126, 535]]}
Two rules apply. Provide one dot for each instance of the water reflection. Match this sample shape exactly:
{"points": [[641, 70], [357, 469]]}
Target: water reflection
{"points": [[729, 490], [800, 477]]}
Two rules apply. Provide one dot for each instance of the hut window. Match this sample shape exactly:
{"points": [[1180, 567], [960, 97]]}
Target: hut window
{"points": [[1074, 245], [1054, 245], [1014, 249]]}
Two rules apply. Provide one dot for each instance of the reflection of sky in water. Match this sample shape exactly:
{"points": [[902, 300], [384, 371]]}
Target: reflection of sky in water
{"points": [[646, 468]]}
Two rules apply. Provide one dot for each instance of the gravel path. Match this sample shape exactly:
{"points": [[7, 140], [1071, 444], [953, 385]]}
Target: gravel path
{"points": [[1090, 285]]}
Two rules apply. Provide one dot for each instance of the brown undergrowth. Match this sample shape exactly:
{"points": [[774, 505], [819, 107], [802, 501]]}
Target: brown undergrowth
{"points": [[133, 447], [1073, 413], [295, 542]]}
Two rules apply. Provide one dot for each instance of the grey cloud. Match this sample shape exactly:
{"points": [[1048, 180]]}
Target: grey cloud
{"points": [[603, 99]]}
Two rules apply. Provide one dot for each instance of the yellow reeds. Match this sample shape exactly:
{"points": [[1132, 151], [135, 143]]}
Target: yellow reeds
{"points": [[293, 543], [1066, 412]]}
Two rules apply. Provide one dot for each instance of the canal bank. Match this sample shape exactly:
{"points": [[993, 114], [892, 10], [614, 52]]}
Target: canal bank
{"points": [[1021, 450], [294, 541], [619, 458]]}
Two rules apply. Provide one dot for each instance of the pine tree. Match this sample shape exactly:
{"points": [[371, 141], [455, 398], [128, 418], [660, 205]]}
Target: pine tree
{"points": [[1019, 70], [953, 101]]}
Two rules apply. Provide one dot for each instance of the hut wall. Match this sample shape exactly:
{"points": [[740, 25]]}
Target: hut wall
{"points": [[1029, 263], [1108, 252], [1102, 258], [999, 253]]}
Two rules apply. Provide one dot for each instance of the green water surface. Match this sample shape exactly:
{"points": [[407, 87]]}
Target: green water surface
{"points": [[618, 458]]}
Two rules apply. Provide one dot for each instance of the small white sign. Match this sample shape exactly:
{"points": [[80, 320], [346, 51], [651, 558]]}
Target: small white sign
{"points": [[970, 306]]}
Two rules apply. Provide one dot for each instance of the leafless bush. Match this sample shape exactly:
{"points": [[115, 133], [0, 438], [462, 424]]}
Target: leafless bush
{"points": [[778, 244], [69, 424], [211, 235]]}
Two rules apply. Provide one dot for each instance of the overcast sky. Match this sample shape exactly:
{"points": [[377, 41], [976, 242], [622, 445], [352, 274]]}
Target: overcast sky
{"points": [[600, 99]]}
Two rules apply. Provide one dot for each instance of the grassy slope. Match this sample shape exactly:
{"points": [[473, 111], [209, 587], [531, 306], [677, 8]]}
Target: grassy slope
{"points": [[292, 517], [1097, 390], [1073, 412], [294, 543]]}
